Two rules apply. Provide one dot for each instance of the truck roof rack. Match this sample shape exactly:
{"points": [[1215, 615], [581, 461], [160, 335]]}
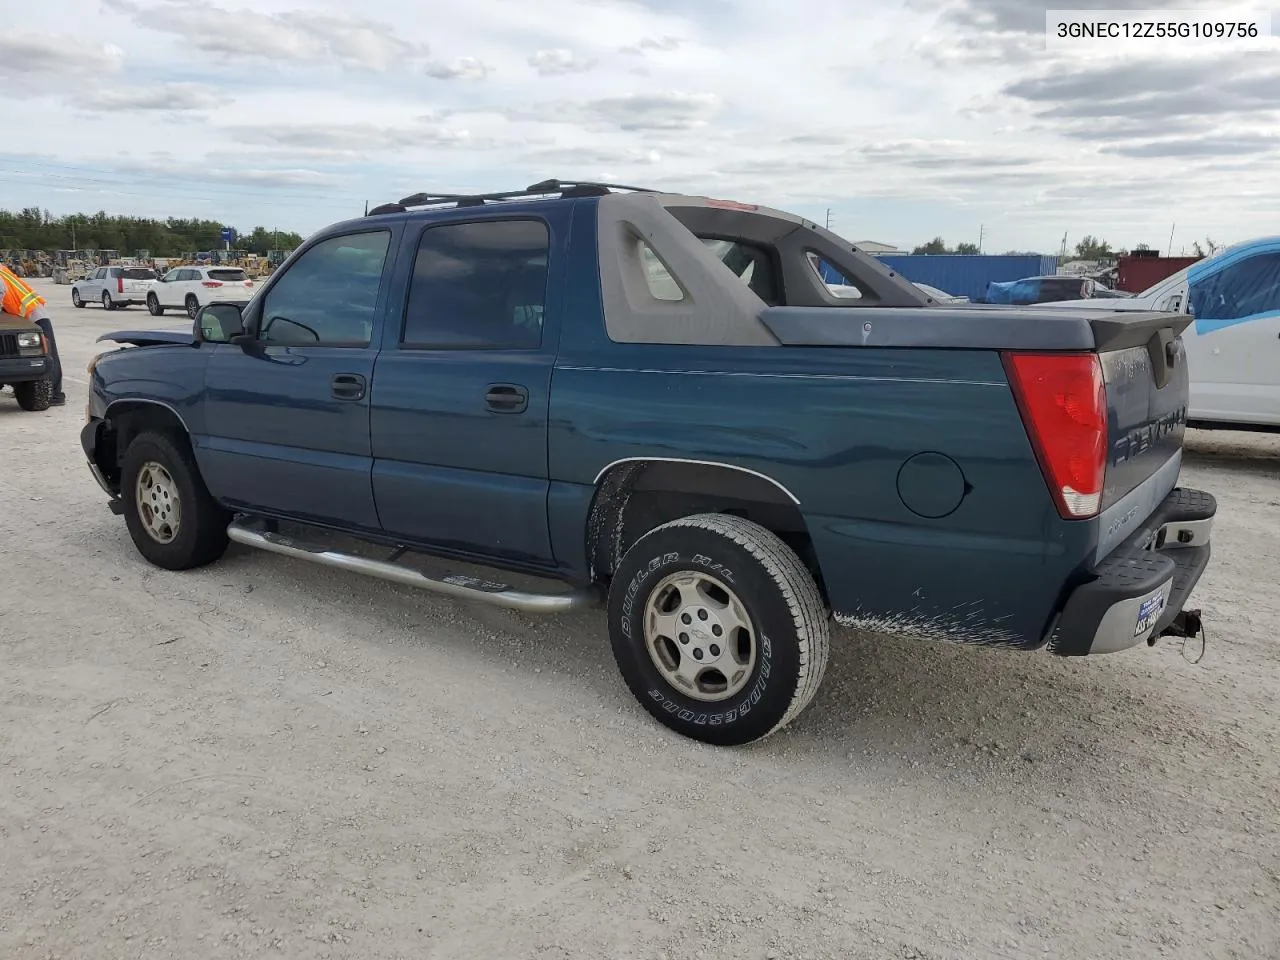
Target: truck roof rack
{"points": [[565, 188]]}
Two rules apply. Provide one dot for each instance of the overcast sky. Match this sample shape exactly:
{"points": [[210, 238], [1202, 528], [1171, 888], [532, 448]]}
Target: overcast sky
{"points": [[907, 118]]}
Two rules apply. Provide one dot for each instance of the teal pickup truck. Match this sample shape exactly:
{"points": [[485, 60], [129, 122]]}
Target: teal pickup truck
{"points": [[655, 402]]}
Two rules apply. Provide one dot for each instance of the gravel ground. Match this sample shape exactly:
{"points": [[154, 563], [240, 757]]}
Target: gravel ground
{"points": [[264, 758]]}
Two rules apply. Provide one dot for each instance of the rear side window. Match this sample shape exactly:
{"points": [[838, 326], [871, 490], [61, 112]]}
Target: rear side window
{"points": [[752, 264], [837, 282], [226, 275], [329, 295], [113, 272], [662, 285], [480, 285]]}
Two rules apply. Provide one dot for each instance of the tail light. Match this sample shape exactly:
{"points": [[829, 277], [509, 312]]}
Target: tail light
{"points": [[1063, 402], [211, 283], [120, 284]]}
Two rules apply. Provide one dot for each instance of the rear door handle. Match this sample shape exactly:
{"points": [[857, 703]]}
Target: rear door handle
{"points": [[348, 386], [506, 398]]}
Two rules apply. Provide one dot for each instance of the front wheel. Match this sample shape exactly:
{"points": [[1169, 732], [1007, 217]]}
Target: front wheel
{"points": [[172, 518], [153, 305], [718, 629], [34, 396], [75, 298]]}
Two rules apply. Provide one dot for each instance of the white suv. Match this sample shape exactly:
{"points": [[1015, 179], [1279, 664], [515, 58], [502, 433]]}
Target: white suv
{"points": [[190, 288], [114, 287]]}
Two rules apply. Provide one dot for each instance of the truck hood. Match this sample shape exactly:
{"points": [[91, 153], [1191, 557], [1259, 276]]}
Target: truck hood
{"points": [[12, 324], [149, 338]]}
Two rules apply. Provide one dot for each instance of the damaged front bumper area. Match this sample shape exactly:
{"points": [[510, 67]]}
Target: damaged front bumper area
{"points": [[1139, 590]]}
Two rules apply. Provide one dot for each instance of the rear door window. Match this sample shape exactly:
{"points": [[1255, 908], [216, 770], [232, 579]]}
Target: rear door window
{"points": [[480, 285]]}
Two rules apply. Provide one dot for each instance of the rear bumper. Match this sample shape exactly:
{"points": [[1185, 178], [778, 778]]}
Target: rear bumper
{"points": [[1142, 585], [23, 369]]}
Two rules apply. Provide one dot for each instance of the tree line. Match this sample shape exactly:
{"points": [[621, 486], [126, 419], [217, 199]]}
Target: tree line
{"points": [[36, 229]]}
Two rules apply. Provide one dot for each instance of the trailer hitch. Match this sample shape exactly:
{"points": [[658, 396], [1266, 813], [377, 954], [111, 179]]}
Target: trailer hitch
{"points": [[1187, 626]]}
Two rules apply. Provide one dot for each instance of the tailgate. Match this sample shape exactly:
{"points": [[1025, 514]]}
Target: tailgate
{"points": [[1144, 367]]}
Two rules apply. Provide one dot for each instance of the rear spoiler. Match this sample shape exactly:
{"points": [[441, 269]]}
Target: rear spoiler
{"points": [[965, 326]]}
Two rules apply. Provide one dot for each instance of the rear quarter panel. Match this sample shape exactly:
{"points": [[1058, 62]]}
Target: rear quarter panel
{"points": [[836, 427]]}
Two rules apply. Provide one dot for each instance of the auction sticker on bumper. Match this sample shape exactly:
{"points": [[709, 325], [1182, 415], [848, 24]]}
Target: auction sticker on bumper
{"points": [[1149, 613]]}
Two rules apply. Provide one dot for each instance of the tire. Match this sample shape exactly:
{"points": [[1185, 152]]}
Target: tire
{"points": [[197, 525], [704, 561], [34, 396], [193, 305], [107, 303], [153, 305], [75, 299]]}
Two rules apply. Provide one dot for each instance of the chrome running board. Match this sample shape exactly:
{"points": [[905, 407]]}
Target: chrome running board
{"points": [[254, 533]]}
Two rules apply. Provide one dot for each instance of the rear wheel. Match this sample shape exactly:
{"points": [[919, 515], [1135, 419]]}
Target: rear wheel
{"points": [[718, 629], [34, 395], [193, 305], [172, 518], [107, 303], [75, 298], [153, 305]]}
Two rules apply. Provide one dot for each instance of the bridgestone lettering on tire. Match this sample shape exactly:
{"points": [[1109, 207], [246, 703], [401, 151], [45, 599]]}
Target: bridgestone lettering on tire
{"points": [[201, 534], [724, 570]]}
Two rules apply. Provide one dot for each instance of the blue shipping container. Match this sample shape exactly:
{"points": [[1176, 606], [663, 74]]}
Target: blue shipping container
{"points": [[967, 275]]}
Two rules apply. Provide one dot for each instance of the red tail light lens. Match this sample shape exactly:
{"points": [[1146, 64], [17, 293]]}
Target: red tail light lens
{"points": [[120, 284], [1063, 402], [211, 283]]}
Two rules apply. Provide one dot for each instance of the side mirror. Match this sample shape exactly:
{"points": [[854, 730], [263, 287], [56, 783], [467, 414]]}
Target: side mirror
{"points": [[218, 323]]}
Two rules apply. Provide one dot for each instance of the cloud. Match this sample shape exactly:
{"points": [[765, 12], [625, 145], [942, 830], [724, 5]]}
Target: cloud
{"points": [[177, 97], [1022, 16], [1154, 90], [1212, 145], [351, 137], [664, 44], [40, 63], [241, 176], [943, 155], [656, 111], [632, 112], [464, 68], [558, 62], [295, 36]]}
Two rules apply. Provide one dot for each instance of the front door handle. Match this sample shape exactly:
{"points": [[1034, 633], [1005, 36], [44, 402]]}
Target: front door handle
{"points": [[506, 398], [348, 386]]}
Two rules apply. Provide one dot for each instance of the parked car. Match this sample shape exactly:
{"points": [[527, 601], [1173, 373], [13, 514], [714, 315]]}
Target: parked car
{"points": [[571, 382], [1233, 342], [941, 296], [846, 291], [114, 287], [190, 288], [25, 363], [1033, 290]]}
